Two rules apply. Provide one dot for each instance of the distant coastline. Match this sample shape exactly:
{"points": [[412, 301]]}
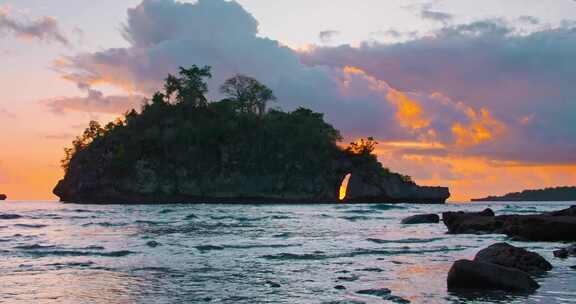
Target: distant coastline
{"points": [[547, 194]]}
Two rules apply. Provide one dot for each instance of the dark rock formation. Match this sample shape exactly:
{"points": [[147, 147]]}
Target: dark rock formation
{"points": [[506, 255], [422, 219], [466, 274], [152, 244], [3, 197], [566, 252], [547, 227], [548, 194], [469, 222]]}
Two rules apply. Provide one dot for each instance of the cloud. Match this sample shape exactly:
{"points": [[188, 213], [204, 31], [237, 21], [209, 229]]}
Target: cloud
{"points": [[44, 29], [327, 36], [523, 80], [466, 87], [94, 102], [435, 16]]}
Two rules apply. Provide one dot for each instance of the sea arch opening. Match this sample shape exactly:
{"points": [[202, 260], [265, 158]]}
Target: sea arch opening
{"points": [[343, 192]]}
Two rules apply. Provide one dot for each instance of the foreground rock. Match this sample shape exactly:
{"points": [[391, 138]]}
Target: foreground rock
{"points": [[466, 274], [547, 227], [506, 255], [3, 197], [422, 219], [566, 252]]}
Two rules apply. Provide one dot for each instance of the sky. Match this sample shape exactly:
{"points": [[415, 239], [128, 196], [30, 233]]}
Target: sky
{"points": [[477, 96]]}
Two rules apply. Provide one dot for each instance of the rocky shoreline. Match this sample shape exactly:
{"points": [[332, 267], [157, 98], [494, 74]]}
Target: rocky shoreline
{"points": [[502, 266], [547, 227]]}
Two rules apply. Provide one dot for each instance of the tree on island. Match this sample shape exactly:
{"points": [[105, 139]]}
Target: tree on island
{"points": [[248, 94], [363, 146], [190, 87]]}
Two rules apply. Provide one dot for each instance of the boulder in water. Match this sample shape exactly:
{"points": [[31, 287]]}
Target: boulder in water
{"points": [[3, 197], [152, 244], [469, 222], [466, 274], [506, 255], [565, 252], [422, 219]]}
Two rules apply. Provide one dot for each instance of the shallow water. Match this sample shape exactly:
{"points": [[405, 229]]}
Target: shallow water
{"points": [[62, 253]]}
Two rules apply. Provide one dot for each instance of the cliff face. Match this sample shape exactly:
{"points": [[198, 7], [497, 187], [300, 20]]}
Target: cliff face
{"points": [[88, 182], [248, 165]]}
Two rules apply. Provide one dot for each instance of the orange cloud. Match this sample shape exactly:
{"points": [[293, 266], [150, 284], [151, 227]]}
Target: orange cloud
{"points": [[410, 113], [473, 177], [482, 128]]}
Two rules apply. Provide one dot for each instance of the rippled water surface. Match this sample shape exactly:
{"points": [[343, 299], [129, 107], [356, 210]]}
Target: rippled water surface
{"points": [[61, 253]]}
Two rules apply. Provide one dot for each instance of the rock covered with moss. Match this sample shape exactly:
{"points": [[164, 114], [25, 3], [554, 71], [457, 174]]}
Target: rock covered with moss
{"points": [[182, 148]]}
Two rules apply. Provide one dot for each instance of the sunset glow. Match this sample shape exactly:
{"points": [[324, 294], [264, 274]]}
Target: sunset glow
{"points": [[494, 116], [344, 187]]}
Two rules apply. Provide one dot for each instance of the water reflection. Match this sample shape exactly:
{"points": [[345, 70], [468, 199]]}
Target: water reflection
{"points": [[70, 287]]}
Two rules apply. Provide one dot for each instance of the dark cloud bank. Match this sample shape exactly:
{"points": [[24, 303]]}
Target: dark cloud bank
{"points": [[477, 88]]}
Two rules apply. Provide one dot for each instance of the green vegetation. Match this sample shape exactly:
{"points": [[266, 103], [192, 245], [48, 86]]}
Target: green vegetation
{"points": [[547, 194], [181, 145]]}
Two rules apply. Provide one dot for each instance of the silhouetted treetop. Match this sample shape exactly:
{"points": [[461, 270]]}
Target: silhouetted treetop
{"points": [[248, 94], [188, 87]]}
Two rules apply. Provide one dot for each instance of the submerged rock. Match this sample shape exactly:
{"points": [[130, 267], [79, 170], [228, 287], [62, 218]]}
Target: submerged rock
{"points": [[385, 294], [381, 292], [273, 284], [504, 254], [565, 252], [9, 216], [547, 227], [466, 274], [152, 244], [422, 219]]}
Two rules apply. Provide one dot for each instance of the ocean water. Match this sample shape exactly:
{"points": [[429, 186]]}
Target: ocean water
{"points": [[63, 253]]}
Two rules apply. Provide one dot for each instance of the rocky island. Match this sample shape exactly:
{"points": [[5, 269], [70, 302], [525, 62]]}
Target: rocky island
{"points": [[182, 148], [548, 194], [3, 197]]}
